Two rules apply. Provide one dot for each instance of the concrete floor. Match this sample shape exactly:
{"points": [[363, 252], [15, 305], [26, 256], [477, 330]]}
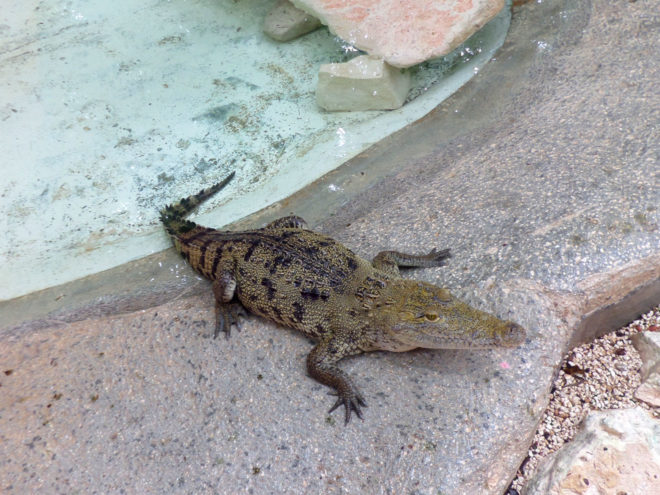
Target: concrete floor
{"points": [[541, 175]]}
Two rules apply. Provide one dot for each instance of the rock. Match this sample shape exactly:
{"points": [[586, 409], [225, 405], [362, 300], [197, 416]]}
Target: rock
{"points": [[648, 346], [616, 451], [364, 83], [403, 33], [286, 22], [649, 390]]}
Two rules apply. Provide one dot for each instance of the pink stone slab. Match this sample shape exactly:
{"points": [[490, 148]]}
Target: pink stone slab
{"points": [[403, 32]]}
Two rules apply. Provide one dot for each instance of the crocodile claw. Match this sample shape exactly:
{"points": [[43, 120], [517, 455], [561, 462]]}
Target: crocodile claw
{"points": [[226, 315], [351, 401]]}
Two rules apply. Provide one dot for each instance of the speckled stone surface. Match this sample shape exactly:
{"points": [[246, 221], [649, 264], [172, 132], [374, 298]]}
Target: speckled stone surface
{"points": [[152, 397], [541, 175]]}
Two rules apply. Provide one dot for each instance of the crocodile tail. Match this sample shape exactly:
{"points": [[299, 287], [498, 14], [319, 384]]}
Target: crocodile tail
{"points": [[174, 216]]}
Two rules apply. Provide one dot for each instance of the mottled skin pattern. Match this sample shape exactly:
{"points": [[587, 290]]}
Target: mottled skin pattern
{"points": [[308, 281]]}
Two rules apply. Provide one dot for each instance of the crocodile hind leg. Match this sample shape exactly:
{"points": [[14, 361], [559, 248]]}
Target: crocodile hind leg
{"points": [[227, 312], [290, 222], [321, 365], [390, 261]]}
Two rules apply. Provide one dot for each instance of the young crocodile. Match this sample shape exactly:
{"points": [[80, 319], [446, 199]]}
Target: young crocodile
{"points": [[305, 280]]}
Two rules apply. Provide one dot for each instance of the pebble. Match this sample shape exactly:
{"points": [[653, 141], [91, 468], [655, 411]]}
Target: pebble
{"points": [[598, 375]]}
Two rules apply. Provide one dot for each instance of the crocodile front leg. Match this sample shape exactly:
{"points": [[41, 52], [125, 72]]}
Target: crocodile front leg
{"points": [[390, 261], [321, 366]]}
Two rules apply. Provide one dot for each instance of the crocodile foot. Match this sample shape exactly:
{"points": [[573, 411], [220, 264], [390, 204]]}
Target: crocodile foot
{"points": [[352, 401], [226, 315]]}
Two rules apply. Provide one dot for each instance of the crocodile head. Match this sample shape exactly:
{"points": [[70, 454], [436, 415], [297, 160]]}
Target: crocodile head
{"points": [[417, 314]]}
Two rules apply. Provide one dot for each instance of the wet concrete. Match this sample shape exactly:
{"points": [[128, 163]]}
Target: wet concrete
{"points": [[541, 175]]}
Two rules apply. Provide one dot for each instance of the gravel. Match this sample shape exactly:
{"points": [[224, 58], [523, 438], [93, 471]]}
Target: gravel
{"points": [[599, 375]]}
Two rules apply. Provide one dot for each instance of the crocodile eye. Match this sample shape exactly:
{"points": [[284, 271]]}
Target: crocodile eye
{"points": [[431, 316]]}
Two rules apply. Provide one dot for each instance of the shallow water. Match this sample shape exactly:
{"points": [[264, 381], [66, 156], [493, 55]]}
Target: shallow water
{"points": [[111, 110]]}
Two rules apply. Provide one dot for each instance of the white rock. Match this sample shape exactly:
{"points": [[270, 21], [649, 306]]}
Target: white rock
{"points": [[403, 33], [649, 390], [616, 451], [648, 346], [286, 22], [364, 83]]}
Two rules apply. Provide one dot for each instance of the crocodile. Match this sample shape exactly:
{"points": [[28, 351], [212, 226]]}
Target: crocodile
{"points": [[305, 280]]}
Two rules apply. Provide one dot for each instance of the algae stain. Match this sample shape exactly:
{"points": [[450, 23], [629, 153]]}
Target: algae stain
{"points": [[217, 114], [164, 178], [169, 40], [278, 72]]}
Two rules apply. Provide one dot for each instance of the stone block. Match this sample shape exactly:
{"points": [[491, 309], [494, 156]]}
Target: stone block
{"points": [[649, 390], [615, 451], [648, 346], [403, 33], [364, 83], [286, 22]]}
